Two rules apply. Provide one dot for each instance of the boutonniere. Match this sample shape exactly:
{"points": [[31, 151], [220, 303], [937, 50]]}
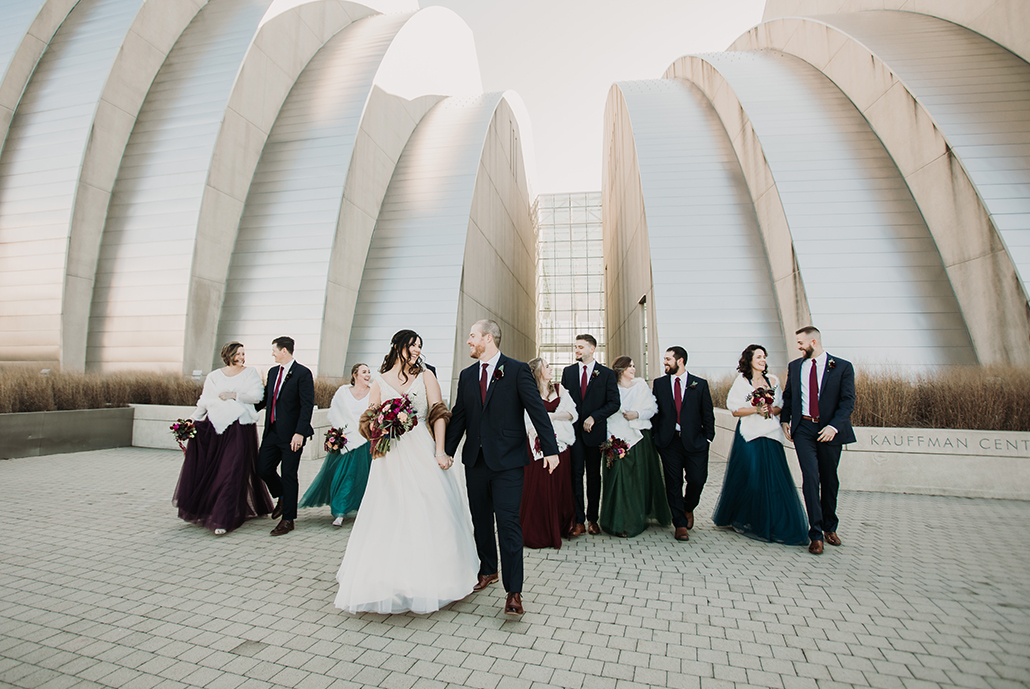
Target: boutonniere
{"points": [[288, 375], [831, 364], [693, 384], [498, 373], [595, 374]]}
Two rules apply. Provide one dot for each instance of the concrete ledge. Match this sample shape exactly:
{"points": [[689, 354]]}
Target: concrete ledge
{"points": [[924, 461], [150, 428], [32, 434]]}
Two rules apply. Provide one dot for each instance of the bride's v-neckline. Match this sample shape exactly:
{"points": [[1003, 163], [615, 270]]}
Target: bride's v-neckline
{"points": [[405, 392]]}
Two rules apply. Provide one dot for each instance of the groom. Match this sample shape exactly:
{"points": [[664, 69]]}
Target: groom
{"points": [[818, 399], [489, 410]]}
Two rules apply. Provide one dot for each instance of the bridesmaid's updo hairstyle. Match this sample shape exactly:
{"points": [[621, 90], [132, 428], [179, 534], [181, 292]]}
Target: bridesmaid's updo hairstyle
{"points": [[546, 387], [229, 352], [744, 365], [354, 371], [400, 350], [620, 365]]}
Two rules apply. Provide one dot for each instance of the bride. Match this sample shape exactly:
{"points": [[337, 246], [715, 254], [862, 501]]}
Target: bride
{"points": [[411, 546]]}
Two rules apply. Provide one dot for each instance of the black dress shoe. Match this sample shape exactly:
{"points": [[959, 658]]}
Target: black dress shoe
{"points": [[283, 527], [277, 511]]}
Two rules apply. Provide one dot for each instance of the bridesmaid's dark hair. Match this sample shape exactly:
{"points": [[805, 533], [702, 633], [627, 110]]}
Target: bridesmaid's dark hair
{"points": [[744, 365], [354, 371], [400, 350], [620, 365]]}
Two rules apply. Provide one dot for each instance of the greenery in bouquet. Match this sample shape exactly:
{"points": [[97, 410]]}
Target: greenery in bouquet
{"points": [[183, 430], [613, 449], [394, 418], [335, 439]]}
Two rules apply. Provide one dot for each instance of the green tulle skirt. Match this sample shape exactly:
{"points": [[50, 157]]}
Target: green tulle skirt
{"points": [[340, 482], [634, 491]]}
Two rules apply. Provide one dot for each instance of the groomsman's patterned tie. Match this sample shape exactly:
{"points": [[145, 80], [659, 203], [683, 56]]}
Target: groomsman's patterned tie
{"points": [[482, 383], [813, 392]]}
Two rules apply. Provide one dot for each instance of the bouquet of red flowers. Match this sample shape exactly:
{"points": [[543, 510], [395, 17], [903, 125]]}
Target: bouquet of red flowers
{"points": [[183, 430], [391, 420], [335, 440], [613, 449], [764, 396]]}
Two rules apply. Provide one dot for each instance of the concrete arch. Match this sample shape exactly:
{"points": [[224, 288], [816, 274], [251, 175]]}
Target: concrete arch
{"points": [[873, 278], [951, 107], [318, 188], [454, 242], [187, 166], [681, 231]]}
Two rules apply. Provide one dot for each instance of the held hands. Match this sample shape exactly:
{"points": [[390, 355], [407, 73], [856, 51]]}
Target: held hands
{"points": [[297, 442], [445, 461], [551, 463], [588, 424], [628, 415]]}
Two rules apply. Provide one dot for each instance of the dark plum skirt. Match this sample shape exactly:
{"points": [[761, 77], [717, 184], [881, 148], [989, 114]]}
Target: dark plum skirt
{"points": [[548, 510], [759, 498], [219, 487]]}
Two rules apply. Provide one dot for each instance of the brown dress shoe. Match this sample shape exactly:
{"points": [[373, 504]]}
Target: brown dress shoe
{"points": [[832, 538], [815, 547], [277, 511], [578, 530], [690, 519], [484, 581], [682, 534], [593, 529], [285, 526], [513, 605]]}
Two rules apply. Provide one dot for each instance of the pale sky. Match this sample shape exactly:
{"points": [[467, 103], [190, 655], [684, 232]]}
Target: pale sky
{"points": [[562, 56]]}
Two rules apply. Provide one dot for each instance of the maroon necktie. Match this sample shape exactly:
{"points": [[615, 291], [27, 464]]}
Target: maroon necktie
{"points": [[275, 395], [583, 383], [678, 399], [482, 384], [813, 393]]}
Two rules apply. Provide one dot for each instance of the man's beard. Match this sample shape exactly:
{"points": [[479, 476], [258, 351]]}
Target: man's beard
{"points": [[579, 357], [476, 351], [808, 351], [669, 369]]}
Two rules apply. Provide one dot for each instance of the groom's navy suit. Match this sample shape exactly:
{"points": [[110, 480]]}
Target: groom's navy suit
{"points": [[293, 409], [495, 455], [819, 460]]}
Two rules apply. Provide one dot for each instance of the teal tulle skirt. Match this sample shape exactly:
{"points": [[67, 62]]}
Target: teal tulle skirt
{"points": [[634, 491], [759, 498], [340, 482]]}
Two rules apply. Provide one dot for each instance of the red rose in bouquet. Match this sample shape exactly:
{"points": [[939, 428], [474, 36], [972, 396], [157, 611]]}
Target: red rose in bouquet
{"points": [[183, 430], [391, 420], [764, 396]]}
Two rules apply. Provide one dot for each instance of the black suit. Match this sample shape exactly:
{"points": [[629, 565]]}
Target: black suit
{"points": [[495, 454], [818, 460], [602, 399], [293, 408], [685, 452]]}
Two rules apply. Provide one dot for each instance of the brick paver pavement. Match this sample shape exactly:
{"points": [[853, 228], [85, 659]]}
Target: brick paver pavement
{"points": [[103, 586]]}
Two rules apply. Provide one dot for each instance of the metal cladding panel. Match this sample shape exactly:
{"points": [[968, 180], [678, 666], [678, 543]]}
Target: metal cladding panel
{"points": [[153, 213], [39, 167], [710, 274], [290, 220], [413, 274], [18, 17], [978, 93], [865, 240]]}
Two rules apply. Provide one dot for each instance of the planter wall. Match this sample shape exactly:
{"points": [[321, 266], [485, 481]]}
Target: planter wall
{"points": [[32, 434], [925, 461]]}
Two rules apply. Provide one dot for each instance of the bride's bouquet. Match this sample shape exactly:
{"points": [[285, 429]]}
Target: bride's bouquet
{"points": [[764, 396], [390, 421], [613, 449]]}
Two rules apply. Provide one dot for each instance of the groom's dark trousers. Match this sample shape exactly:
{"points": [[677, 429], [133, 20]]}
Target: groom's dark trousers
{"points": [[293, 409], [495, 456]]}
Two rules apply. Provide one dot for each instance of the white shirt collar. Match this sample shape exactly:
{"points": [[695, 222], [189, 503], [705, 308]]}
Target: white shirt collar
{"points": [[820, 361], [286, 367], [588, 366]]}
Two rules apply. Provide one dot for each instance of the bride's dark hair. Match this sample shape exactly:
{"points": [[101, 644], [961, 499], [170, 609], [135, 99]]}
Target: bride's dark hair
{"points": [[400, 350]]}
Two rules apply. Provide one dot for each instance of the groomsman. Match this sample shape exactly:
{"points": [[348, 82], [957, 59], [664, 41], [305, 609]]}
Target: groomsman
{"points": [[818, 399], [683, 429], [596, 393], [290, 399]]}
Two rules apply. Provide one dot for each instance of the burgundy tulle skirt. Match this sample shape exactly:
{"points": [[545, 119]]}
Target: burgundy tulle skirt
{"points": [[548, 510], [219, 487]]}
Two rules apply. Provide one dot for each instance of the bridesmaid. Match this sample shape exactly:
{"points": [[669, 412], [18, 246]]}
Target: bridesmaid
{"points": [[341, 481], [219, 487], [633, 487], [548, 511], [759, 498]]}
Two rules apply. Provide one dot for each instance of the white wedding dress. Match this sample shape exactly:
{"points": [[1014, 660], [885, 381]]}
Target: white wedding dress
{"points": [[411, 546]]}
